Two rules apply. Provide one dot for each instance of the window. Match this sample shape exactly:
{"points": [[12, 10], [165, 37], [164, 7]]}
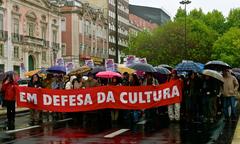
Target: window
{"points": [[64, 50], [1, 22], [1, 50], [16, 52], [43, 32], [16, 26], [54, 36], [31, 27], [44, 56], [63, 24]]}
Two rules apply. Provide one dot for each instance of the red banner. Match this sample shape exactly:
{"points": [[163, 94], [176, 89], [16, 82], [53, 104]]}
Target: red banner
{"points": [[114, 97]]}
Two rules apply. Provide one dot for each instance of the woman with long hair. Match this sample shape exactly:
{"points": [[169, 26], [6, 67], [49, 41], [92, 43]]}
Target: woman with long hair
{"points": [[9, 89]]}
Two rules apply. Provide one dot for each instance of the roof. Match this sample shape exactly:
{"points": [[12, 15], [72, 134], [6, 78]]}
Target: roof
{"points": [[155, 15]]}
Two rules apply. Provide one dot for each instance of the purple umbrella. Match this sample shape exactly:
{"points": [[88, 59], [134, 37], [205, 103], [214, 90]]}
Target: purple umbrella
{"points": [[57, 69]]}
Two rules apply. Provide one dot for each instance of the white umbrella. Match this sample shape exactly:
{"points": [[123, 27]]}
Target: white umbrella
{"points": [[213, 73]]}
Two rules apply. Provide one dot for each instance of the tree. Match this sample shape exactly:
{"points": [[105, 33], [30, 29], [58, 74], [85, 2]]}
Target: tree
{"points": [[227, 47], [197, 14], [233, 19], [216, 21], [180, 14]]}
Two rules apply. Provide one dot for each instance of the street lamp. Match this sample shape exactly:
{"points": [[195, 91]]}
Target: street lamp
{"points": [[116, 30], [185, 3]]}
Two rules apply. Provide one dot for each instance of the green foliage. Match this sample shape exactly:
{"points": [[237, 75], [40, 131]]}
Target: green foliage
{"points": [[207, 39], [227, 47], [233, 19]]}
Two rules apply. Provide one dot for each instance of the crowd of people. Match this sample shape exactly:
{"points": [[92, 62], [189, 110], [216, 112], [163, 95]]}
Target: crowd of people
{"points": [[204, 98]]}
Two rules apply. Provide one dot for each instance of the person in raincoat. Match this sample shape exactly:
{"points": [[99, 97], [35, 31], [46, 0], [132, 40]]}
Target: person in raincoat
{"points": [[9, 89]]}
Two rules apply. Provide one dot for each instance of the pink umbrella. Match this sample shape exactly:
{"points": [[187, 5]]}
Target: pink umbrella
{"points": [[108, 74]]}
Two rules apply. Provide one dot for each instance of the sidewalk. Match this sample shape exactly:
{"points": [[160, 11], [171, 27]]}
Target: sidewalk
{"points": [[3, 111], [236, 137]]}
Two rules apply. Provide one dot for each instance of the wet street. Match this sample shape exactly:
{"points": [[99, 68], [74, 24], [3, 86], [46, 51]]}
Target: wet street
{"points": [[65, 132]]}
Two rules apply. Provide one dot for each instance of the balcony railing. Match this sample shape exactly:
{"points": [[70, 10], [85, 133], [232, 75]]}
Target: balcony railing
{"points": [[45, 43], [55, 46], [3, 35], [33, 40], [17, 38]]}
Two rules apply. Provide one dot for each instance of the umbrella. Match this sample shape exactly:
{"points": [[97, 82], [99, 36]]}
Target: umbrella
{"points": [[122, 68], [80, 70], [166, 66], [108, 74], [142, 67], [236, 70], [217, 65], [188, 66], [98, 69], [57, 69], [162, 70], [31, 73], [237, 75], [213, 73]]}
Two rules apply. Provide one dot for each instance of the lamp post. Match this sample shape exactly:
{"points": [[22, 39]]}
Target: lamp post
{"points": [[185, 3], [116, 30]]}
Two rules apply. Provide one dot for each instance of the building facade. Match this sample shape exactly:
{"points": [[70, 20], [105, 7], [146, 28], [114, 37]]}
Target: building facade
{"points": [[150, 14], [141, 23], [30, 35], [108, 6], [84, 33], [123, 27]]}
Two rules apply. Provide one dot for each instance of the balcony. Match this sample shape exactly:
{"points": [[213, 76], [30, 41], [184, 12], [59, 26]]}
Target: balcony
{"points": [[17, 38], [45, 43], [55, 46], [3, 35], [33, 40]]}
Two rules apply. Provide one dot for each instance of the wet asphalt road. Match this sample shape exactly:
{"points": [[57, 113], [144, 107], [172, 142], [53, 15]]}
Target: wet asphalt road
{"points": [[65, 132]]}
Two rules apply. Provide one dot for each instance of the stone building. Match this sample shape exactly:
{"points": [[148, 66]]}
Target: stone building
{"points": [[84, 33], [30, 34]]}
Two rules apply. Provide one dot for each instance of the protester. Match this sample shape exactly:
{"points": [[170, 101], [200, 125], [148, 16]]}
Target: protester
{"points": [[69, 84], [210, 92], [9, 90], [229, 91], [125, 81], [35, 115], [150, 114], [174, 109], [115, 113], [91, 82]]}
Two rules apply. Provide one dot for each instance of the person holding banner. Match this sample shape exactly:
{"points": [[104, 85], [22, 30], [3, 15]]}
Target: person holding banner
{"points": [[174, 109], [151, 113], [9, 90], [35, 115]]}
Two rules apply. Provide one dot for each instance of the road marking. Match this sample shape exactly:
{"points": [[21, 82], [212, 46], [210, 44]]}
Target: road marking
{"points": [[27, 128], [111, 135], [63, 120], [142, 122]]}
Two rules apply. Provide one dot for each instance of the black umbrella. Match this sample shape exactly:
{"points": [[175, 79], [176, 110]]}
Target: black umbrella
{"points": [[166, 66], [217, 65], [162, 70], [236, 70], [237, 75], [142, 67], [98, 69]]}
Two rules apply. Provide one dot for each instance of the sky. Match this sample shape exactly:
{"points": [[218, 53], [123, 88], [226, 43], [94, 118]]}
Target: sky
{"points": [[171, 6]]}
